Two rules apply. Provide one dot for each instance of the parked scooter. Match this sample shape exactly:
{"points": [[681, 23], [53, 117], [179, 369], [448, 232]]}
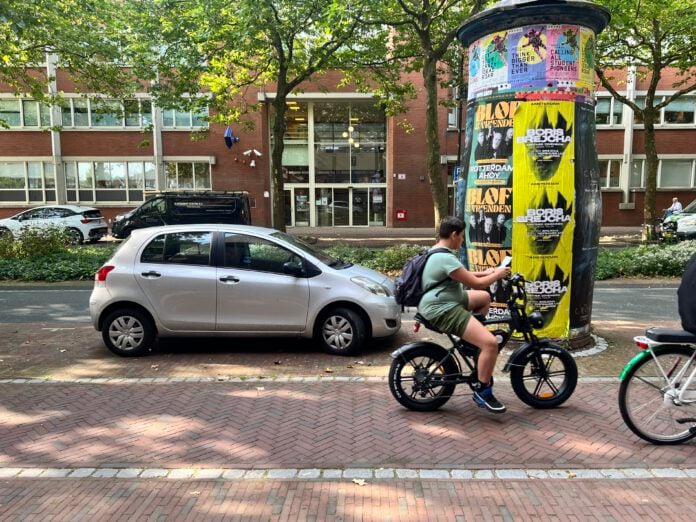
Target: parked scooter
{"points": [[666, 228]]}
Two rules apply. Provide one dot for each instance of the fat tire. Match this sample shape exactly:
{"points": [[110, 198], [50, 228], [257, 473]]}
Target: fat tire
{"points": [[566, 389], [623, 407], [396, 385], [129, 316], [350, 324]]}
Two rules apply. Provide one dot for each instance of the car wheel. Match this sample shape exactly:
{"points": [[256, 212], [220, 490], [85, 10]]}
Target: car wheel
{"points": [[75, 236], [5, 232], [341, 332], [128, 332]]}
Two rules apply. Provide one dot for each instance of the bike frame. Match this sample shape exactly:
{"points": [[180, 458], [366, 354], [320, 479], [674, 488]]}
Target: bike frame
{"points": [[517, 321], [650, 348]]}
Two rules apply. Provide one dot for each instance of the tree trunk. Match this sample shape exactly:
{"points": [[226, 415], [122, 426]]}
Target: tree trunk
{"points": [[278, 133], [651, 164], [432, 141]]}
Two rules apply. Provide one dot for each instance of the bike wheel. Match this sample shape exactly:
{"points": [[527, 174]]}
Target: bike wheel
{"points": [[416, 378], [544, 377], [648, 399]]}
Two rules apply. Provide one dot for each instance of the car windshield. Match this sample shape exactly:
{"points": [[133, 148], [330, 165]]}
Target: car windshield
{"points": [[305, 247], [690, 208]]}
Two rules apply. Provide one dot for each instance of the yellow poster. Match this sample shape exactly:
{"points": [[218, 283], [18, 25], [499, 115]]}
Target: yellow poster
{"points": [[544, 217]]}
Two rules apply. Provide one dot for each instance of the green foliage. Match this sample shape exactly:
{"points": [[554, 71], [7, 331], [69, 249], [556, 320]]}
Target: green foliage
{"points": [[388, 260], [86, 35], [34, 242], [645, 261], [69, 264]]}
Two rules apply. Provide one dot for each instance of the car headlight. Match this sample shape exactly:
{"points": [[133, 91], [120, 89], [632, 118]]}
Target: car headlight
{"points": [[370, 285]]}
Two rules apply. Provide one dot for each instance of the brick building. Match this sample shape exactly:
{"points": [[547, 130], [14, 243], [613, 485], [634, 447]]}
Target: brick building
{"points": [[346, 163]]}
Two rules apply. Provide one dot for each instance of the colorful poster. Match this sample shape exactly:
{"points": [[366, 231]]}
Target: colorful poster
{"points": [[488, 200], [493, 62], [528, 52], [544, 188], [532, 58], [564, 53], [587, 61]]}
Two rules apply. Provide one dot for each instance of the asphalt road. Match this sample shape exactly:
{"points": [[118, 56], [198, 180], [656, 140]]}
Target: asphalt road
{"points": [[68, 303]]}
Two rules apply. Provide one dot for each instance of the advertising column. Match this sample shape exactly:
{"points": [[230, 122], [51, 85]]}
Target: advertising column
{"points": [[531, 186]]}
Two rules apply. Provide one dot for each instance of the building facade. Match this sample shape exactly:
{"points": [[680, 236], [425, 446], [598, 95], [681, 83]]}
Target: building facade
{"points": [[345, 163]]}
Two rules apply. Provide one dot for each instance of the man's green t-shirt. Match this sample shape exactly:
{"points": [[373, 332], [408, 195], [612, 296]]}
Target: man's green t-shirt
{"points": [[443, 297]]}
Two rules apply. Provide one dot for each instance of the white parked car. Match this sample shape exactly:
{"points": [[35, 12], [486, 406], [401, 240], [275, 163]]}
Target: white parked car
{"points": [[83, 223], [236, 280]]}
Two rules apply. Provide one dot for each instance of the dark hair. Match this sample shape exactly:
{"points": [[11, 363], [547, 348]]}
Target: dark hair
{"points": [[450, 224]]}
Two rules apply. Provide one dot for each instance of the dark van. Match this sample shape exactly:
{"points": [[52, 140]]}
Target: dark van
{"points": [[179, 208]]}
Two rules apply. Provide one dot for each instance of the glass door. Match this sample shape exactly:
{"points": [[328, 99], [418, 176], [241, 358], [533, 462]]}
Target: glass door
{"points": [[297, 207]]}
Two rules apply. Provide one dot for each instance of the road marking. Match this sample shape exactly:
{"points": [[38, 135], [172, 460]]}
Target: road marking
{"points": [[374, 473]]}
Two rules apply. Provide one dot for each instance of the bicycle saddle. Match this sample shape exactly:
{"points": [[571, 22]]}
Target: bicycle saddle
{"points": [[670, 335], [422, 320]]}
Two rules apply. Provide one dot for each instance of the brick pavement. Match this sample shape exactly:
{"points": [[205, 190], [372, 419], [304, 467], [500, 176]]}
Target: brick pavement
{"points": [[113, 499], [302, 425]]}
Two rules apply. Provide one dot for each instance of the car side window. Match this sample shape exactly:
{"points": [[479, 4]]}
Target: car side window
{"points": [[253, 253], [51, 213], [38, 213], [181, 248]]}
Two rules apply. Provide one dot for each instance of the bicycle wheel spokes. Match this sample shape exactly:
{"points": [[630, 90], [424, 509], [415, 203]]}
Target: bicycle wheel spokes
{"points": [[544, 376], [651, 398]]}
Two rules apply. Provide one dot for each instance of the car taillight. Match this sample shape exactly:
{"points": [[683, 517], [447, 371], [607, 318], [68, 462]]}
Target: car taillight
{"points": [[101, 274], [85, 220]]}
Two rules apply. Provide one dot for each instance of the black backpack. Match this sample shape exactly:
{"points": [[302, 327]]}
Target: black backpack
{"points": [[687, 296], [409, 285]]}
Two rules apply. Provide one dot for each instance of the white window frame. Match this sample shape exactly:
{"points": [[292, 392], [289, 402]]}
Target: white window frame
{"points": [[611, 158], [22, 127], [612, 106], [46, 162], [661, 124]]}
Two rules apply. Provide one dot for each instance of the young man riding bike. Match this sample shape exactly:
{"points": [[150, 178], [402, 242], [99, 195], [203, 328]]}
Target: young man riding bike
{"points": [[449, 307]]}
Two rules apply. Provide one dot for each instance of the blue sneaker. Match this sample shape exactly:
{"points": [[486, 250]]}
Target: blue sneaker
{"points": [[485, 399]]}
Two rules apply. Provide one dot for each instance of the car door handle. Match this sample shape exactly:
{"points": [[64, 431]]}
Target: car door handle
{"points": [[229, 279], [151, 274]]}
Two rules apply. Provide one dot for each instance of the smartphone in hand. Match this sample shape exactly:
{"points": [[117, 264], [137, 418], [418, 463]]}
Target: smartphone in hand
{"points": [[506, 262]]}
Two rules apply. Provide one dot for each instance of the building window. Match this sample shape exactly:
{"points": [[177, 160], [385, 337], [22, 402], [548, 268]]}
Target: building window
{"points": [[636, 179], [188, 176], [180, 119], [608, 111], [640, 102], [680, 111], [609, 173], [27, 182], [675, 173], [108, 181], [453, 111], [349, 142], [672, 173], [24, 113], [83, 112]]}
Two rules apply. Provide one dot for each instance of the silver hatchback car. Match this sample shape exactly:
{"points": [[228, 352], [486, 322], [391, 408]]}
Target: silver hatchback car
{"points": [[236, 280]]}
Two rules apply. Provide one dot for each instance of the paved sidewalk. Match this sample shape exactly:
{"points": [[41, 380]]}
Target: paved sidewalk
{"points": [[402, 500], [310, 425]]}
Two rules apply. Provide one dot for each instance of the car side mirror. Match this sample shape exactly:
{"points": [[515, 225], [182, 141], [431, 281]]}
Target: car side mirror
{"points": [[293, 268]]}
